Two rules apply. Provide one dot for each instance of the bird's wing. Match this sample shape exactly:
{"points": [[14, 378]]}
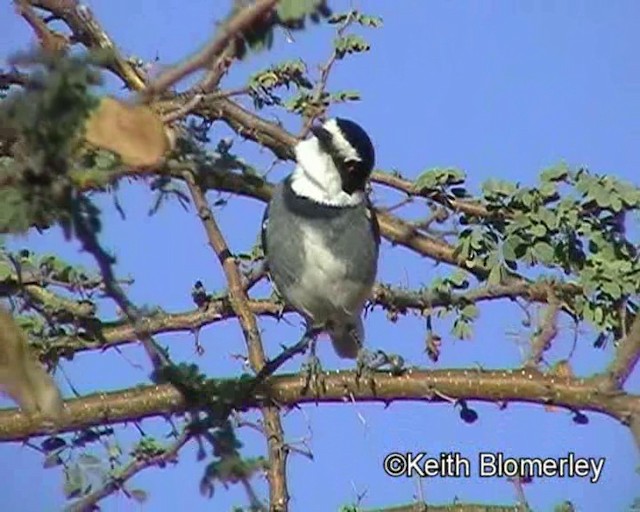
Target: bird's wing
{"points": [[373, 218], [263, 235]]}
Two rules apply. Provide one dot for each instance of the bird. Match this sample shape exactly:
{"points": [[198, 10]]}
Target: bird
{"points": [[320, 234]]}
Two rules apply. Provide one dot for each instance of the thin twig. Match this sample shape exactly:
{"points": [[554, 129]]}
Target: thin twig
{"points": [[191, 104], [13, 77], [523, 506], [321, 85], [546, 332], [205, 57], [50, 41], [116, 483], [105, 263], [88, 31], [391, 298]]}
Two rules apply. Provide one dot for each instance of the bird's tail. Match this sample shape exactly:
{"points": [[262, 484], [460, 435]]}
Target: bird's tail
{"points": [[348, 337]]}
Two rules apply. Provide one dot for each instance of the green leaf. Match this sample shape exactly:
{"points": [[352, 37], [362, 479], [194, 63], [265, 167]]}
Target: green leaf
{"points": [[612, 289], [6, 270], [547, 217], [439, 177], [295, 10], [459, 279], [287, 73], [51, 460], [462, 329], [369, 21], [89, 460], [15, 214], [598, 315], [498, 187], [547, 189], [631, 195], [538, 230], [351, 43], [495, 275], [565, 506], [344, 96], [339, 17], [469, 311], [616, 203], [510, 247], [543, 252], [556, 173], [601, 196], [299, 102]]}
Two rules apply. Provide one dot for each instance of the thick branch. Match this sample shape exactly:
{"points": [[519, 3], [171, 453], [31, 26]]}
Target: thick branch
{"points": [[277, 469], [433, 386], [453, 507], [65, 308]]}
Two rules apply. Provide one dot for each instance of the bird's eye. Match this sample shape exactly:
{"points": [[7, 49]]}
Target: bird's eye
{"points": [[350, 166]]}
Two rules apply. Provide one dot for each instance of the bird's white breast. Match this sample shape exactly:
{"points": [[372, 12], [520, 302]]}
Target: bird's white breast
{"points": [[325, 286]]}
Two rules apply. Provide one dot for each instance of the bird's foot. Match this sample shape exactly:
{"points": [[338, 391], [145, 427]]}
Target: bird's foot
{"points": [[312, 368], [394, 363], [369, 362]]}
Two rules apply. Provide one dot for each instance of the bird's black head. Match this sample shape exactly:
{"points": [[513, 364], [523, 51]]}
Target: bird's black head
{"points": [[351, 150]]}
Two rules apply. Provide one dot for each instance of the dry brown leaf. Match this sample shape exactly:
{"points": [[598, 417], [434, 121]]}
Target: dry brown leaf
{"points": [[21, 375], [134, 132], [562, 369]]}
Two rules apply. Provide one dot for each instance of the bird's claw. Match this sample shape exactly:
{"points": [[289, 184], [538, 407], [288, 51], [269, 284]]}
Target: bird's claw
{"points": [[312, 369], [394, 363], [313, 375], [369, 362]]}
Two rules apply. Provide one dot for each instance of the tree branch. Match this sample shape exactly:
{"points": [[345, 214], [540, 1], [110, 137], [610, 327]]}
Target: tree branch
{"points": [[88, 31], [394, 229], [115, 483], [394, 299], [105, 262], [546, 332], [277, 468], [427, 386], [243, 20], [321, 85], [627, 356], [454, 507]]}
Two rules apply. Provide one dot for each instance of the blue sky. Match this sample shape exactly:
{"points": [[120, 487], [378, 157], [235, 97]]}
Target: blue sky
{"points": [[497, 89]]}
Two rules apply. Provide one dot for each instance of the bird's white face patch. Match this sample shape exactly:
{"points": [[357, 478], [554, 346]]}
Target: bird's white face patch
{"points": [[317, 178], [345, 149]]}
